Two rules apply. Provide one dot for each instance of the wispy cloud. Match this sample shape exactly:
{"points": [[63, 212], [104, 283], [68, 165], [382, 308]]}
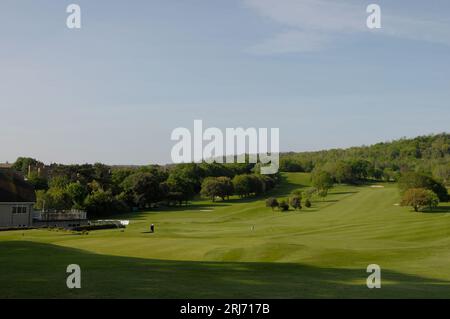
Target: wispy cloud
{"points": [[312, 25], [292, 41]]}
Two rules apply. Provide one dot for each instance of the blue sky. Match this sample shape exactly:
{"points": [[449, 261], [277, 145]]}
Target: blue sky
{"points": [[114, 90]]}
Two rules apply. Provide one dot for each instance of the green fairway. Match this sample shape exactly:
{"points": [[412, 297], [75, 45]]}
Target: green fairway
{"points": [[240, 248]]}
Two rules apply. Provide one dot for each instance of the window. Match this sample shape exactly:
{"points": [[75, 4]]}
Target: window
{"points": [[19, 209]]}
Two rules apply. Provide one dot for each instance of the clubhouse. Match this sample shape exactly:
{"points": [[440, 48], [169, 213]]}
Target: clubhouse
{"points": [[17, 199]]}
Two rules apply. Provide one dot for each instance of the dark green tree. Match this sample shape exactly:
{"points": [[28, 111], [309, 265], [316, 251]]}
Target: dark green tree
{"points": [[322, 181], [272, 203], [296, 202]]}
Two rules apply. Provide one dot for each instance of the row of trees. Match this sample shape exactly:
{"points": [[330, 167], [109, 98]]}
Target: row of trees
{"points": [[102, 189], [243, 185], [383, 161], [295, 200]]}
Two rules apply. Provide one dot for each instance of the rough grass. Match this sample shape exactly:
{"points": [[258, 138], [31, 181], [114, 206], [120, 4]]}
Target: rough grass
{"points": [[210, 250]]}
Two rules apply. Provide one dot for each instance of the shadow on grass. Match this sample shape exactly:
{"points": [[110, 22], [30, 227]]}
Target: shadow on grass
{"points": [[196, 207], [326, 201], [284, 187], [343, 193], [35, 270], [193, 206], [438, 210]]}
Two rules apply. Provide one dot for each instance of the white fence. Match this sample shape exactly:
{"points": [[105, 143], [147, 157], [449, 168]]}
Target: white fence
{"points": [[61, 216]]}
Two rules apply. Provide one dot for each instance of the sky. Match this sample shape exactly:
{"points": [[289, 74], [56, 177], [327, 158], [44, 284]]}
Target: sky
{"points": [[114, 90]]}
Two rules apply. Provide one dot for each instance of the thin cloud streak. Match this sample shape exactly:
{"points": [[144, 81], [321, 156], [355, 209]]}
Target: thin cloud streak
{"points": [[314, 25]]}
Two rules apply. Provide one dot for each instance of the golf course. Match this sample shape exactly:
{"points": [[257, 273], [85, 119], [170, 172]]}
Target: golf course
{"points": [[240, 248]]}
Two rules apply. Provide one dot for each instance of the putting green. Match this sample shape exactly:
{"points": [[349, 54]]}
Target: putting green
{"points": [[240, 248]]}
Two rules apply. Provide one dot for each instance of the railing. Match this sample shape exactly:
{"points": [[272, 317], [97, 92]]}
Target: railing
{"points": [[110, 221], [60, 215]]}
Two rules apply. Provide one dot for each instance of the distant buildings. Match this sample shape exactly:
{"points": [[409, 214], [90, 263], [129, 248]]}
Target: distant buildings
{"points": [[5, 165]]}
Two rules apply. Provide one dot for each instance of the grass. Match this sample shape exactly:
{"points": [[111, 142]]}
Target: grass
{"points": [[209, 250]]}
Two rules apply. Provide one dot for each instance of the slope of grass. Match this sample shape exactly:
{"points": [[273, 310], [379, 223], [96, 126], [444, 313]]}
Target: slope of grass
{"points": [[38, 270], [212, 251]]}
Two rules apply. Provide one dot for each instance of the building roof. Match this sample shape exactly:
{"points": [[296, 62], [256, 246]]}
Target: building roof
{"points": [[14, 189]]}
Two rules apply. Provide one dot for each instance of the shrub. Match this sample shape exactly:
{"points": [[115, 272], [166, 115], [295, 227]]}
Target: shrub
{"points": [[323, 193], [419, 198], [309, 192], [272, 203], [308, 203], [296, 202], [413, 180], [283, 205], [297, 192]]}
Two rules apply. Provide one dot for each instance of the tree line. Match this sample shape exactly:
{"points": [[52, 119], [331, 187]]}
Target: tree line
{"points": [[429, 155], [103, 190], [421, 166], [243, 185]]}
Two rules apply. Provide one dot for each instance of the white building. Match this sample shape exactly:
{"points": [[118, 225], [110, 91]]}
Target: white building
{"points": [[17, 199]]}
